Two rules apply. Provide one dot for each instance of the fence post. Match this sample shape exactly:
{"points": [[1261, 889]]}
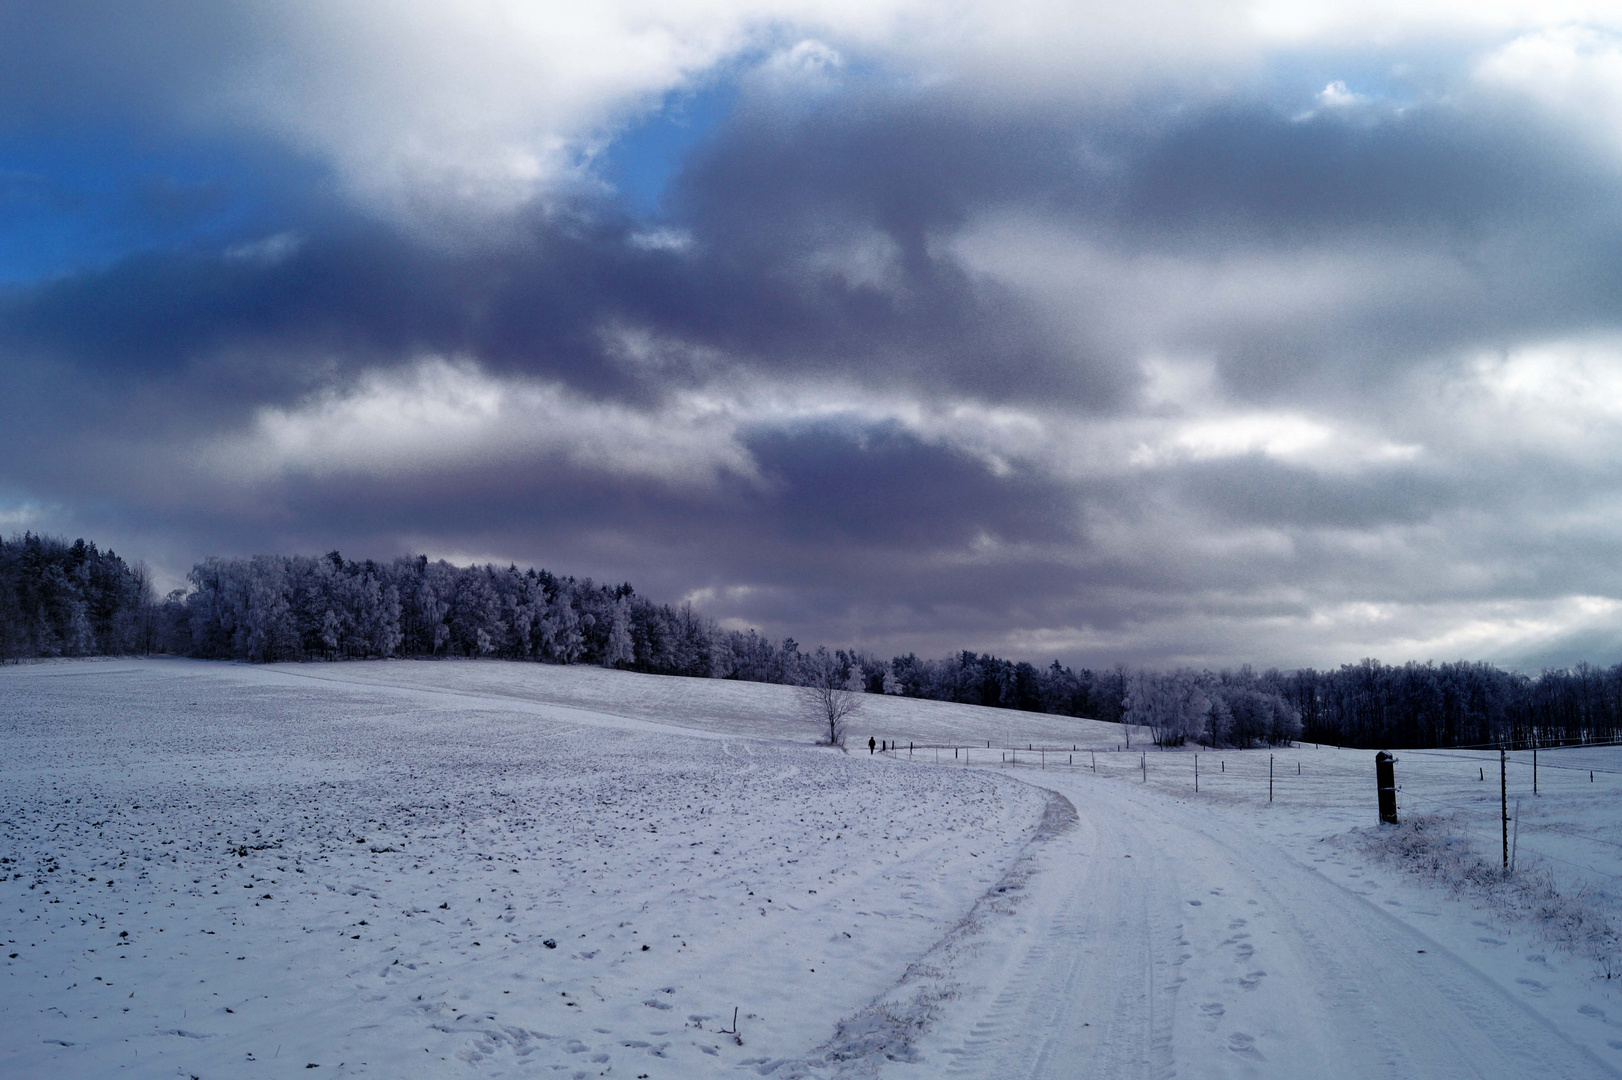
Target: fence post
{"points": [[1534, 770], [1196, 774], [1503, 799], [1145, 764], [1516, 842], [1269, 777], [1385, 781]]}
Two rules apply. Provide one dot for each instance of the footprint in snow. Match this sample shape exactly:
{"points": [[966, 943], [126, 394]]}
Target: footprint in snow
{"points": [[1252, 980], [1533, 986], [1240, 1043]]}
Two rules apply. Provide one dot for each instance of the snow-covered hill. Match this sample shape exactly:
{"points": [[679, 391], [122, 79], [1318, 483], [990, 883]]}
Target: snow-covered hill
{"points": [[460, 868]]}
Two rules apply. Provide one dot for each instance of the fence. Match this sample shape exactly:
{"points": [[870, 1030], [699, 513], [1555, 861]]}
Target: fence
{"points": [[1563, 804]]}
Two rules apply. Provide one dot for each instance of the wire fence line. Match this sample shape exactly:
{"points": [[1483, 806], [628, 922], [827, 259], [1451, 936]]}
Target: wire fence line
{"points": [[1559, 808]]}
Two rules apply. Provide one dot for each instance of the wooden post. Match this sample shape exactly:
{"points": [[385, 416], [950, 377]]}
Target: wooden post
{"points": [[1196, 774], [1145, 764], [1516, 842], [1385, 782], [1269, 777], [1534, 770], [1503, 799]]}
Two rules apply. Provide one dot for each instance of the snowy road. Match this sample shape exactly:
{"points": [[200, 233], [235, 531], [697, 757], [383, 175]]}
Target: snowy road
{"points": [[1151, 944]]}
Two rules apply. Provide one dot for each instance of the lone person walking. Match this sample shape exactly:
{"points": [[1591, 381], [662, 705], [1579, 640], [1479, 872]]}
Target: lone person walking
{"points": [[871, 744]]}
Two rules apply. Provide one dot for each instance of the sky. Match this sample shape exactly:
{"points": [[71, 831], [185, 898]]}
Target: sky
{"points": [[1165, 333]]}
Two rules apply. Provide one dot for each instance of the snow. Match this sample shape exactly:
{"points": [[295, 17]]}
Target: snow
{"points": [[278, 842]]}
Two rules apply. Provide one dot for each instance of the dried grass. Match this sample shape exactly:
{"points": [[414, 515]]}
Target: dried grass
{"points": [[1432, 847]]}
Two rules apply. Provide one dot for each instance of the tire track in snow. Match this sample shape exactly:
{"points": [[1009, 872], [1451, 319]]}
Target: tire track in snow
{"points": [[1155, 945], [1092, 992]]}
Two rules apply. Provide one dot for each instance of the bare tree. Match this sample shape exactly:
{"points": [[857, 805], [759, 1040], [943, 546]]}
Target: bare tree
{"points": [[827, 696]]}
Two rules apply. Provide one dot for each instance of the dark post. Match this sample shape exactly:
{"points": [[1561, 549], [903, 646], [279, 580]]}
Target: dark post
{"points": [[1503, 799], [1534, 770], [1385, 779], [1269, 777]]}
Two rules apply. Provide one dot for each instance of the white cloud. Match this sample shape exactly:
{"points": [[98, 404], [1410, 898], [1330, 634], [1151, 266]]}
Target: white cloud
{"points": [[1336, 96], [1386, 22], [441, 416], [1560, 398], [267, 252], [675, 240], [1145, 301], [808, 58], [1574, 72], [19, 515]]}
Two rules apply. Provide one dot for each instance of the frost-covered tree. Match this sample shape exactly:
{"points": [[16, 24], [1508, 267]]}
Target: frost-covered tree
{"points": [[1172, 705], [826, 697], [619, 649]]}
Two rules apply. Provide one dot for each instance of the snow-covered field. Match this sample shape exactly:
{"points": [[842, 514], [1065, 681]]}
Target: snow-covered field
{"points": [[468, 868]]}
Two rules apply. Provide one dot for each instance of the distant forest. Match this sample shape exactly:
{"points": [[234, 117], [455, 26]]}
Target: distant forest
{"points": [[61, 599]]}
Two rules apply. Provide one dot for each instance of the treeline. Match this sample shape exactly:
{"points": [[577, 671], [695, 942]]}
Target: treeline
{"points": [[1375, 705], [60, 599]]}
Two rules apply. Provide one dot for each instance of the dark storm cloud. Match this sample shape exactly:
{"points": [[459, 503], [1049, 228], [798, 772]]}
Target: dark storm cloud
{"points": [[1498, 230], [73, 62], [881, 486], [1258, 490], [1534, 227]]}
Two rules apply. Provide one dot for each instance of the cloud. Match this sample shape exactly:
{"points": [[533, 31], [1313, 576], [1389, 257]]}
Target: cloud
{"points": [[441, 416], [1203, 339], [1573, 72], [446, 114]]}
